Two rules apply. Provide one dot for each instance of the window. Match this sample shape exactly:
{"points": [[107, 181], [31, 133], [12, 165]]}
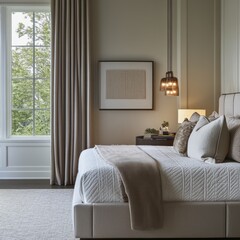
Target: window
{"points": [[27, 76]]}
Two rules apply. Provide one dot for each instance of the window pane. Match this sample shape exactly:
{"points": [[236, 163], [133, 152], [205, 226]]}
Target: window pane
{"points": [[42, 93], [22, 28], [22, 62], [30, 72], [22, 94], [42, 62], [42, 124], [42, 29], [22, 123]]}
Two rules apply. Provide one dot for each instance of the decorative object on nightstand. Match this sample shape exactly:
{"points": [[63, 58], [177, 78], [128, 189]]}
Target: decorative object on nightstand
{"points": [[164, 129], [149, 132], [153, 136]]}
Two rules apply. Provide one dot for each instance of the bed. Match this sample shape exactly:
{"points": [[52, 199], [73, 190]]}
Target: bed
{"points": [[199, 200]]}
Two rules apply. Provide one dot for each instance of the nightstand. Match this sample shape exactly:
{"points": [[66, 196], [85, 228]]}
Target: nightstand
{"points": [[160, 140]]}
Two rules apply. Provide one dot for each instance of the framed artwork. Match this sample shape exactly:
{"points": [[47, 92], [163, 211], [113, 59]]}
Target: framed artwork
{"points": [[126, 85]]}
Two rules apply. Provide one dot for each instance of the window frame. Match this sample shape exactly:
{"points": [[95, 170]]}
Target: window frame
{"points": [[5, 70]]}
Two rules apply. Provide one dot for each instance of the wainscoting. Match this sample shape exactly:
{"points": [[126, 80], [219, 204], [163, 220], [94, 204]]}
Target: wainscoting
{"points": [[25, 160]]}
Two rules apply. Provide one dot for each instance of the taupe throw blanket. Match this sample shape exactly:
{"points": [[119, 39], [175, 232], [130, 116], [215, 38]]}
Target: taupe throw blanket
{"points": [[141, 179]]}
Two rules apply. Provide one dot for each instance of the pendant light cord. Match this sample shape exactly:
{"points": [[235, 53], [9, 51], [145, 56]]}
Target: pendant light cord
{"points": [[169, 28], [169, 84]]}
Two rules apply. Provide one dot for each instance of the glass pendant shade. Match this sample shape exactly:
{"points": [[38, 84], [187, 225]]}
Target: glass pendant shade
{"points": [[169, 84]]}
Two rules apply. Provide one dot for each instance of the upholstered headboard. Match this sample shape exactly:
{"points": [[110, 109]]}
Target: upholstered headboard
{"points": [[229, 104]]}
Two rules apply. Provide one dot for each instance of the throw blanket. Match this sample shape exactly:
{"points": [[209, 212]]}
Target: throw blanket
{"points": [[141, 178]]}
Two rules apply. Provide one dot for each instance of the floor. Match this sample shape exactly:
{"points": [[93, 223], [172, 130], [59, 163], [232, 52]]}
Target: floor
{"points": [[34, 184], [28, 184]]}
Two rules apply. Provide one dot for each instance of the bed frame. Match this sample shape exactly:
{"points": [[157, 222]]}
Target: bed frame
{"points": [[181, 219]]}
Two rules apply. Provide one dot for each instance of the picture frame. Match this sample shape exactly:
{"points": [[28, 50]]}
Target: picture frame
{"points": [[126, 85]]}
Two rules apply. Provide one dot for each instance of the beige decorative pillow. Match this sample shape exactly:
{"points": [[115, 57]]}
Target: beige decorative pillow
{"points": [[214, 115], [195, 117], [182, 135], [209, 140], [233, 124]]}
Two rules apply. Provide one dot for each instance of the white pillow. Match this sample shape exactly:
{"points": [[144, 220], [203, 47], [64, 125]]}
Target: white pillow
{"points": [[209, 141]]}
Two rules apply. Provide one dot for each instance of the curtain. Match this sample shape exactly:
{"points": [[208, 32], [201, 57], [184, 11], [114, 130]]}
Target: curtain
{"points": [[71, 88]]}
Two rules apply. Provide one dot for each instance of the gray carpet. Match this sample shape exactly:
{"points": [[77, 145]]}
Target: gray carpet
{"points": [[36, 214]]}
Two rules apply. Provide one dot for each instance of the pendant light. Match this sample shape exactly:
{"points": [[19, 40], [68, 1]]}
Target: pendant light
{"points": [[169, 84]]}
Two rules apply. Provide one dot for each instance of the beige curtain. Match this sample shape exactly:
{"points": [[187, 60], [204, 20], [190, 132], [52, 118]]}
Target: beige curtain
{"points": [[71, 88]]}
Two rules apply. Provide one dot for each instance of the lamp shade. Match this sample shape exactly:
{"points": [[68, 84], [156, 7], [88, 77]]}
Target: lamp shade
{"points": [[187, 113], [169, 84]]}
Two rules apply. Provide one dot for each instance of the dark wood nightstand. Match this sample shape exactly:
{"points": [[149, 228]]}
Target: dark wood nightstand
{"points": [[160, 140]]}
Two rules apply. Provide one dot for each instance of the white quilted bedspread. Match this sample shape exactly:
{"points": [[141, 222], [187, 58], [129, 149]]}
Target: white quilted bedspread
{"points": [[99, 181], [183, 178], [186, 179]]}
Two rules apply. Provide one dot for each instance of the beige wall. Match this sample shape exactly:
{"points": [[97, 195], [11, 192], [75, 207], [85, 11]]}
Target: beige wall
{"points": [[203, 62], [136, 30], [230, 65]]}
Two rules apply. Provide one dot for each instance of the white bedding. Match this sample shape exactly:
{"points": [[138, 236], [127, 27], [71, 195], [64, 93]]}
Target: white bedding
{"points": [[99, 181], [183, 179]]}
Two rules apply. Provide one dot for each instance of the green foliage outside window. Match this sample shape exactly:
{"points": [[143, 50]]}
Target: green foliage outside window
{"points": [[30, 73]]}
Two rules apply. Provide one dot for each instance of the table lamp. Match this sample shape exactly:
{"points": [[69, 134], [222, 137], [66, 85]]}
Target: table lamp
{"points": [[187, 113]]}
